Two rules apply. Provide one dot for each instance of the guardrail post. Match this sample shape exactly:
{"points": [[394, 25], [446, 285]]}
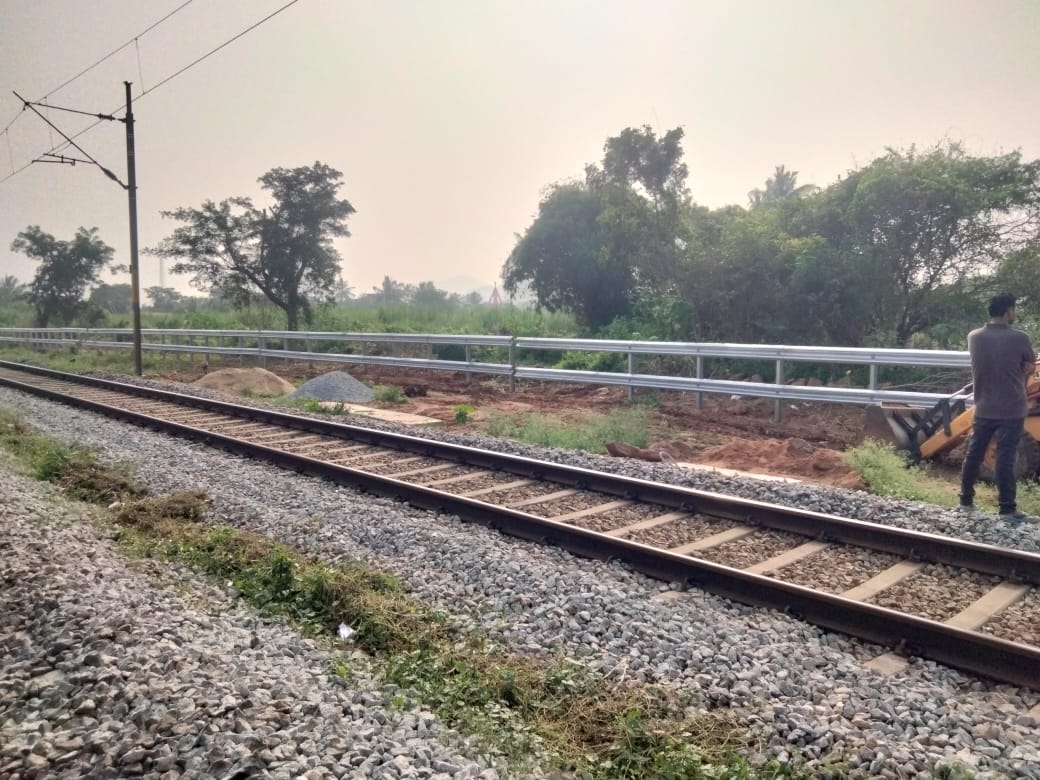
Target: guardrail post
{"points": [[873, 376], [631, 371], [700, 375], [778, 405], [469, 359], [512, 365], [261, 346], [307, 345]]}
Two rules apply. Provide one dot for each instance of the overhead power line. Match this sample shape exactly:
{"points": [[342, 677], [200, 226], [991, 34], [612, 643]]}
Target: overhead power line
{"points": [[107, 56], [221, 46], [189, 66]]}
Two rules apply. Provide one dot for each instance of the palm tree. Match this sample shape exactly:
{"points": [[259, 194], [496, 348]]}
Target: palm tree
{"points": [[11, 290], [782, 184]]}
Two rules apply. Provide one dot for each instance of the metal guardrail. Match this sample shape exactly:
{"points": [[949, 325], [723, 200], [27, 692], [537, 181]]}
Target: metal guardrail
{"points": [[849, 395], [842, 355], [265, 345]]}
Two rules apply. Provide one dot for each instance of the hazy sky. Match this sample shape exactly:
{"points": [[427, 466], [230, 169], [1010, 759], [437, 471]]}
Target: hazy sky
{"points": [[448, 118]]}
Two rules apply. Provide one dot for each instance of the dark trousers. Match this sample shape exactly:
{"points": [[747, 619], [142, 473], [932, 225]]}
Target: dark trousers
{"points": [[1007, 432]]}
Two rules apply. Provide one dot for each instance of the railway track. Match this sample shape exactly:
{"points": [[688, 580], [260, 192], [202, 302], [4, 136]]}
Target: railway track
{"points": [[859, 578]]}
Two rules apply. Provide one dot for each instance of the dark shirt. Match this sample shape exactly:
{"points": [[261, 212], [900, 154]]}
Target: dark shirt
{"points": [[998, 354]]}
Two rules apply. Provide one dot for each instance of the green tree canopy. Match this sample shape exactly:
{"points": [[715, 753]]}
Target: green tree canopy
{"points": [[427, 294], [283, 253], [563, 258], [66, 269], [915, 223], [114, 298], [642, 185], [390, 291], [166, 299]]}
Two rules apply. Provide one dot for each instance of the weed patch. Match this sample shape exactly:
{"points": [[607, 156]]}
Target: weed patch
{"points": [[889, 473], [391, 394], [629, 425], [462, 413], [314, 406]]}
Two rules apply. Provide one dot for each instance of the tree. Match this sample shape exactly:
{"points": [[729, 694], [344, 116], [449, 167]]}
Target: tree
{"points": [[642, 184], [166, 299], [283, 253], [781, 185], [427, 294], [562, 257], [66, 269], [915, 223], [734, 275], [342, 292], [115, 298], [391, 292], [11, 290], [1019, 273]]}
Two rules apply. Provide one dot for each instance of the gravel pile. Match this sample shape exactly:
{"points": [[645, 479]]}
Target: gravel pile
{"points": [[334, 386], [801, 691]]}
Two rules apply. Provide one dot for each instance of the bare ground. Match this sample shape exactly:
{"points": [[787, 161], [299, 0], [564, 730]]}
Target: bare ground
{"points": [[740, 434]]}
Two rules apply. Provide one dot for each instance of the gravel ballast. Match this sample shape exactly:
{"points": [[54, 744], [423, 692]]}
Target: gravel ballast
{"points": [[803, 692]]}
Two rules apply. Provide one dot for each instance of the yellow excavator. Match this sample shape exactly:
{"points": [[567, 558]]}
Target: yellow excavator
{"points": [[928, 433]]}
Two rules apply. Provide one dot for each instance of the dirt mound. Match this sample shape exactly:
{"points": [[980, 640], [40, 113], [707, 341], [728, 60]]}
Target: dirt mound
{"points": [[245, 382], [793, 457]]}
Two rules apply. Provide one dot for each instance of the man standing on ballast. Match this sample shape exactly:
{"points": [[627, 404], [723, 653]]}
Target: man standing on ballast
{"points": [[1002, 359]]}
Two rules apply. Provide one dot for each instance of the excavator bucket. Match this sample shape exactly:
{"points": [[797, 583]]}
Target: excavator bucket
{"points": [[882, 423]]}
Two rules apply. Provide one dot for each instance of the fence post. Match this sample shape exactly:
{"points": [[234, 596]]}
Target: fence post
{"points": [[631, 371], [778, 406], [700, 375], [512, 364]]}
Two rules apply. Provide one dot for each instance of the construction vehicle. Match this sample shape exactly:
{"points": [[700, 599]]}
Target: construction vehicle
{"points": [[927, 433]]}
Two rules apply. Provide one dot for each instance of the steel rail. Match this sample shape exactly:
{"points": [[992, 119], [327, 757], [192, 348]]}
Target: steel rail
{"points": [[1016, 565], [973, 651]]}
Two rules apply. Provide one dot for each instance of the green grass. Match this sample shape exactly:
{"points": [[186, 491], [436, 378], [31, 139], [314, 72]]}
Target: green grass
{"points": [[889, 473], [391, 394], [76, 360], [462, 413], [628, 425], [528, 713], [313, 405]]}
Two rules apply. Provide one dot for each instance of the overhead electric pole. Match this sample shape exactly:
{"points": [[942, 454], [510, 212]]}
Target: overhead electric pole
{"points": [[131, 191], [130, 187]]}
